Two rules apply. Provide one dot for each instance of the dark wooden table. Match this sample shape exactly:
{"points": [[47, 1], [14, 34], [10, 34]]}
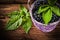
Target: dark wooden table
{"points": [[19, 34]]}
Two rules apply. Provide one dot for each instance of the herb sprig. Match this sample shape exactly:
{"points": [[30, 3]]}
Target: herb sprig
{"points": [[19, 18]]}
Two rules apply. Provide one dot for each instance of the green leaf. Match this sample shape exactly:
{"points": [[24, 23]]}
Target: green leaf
{"points": [[23, 8], [56, 10], [27, 14], [14, 23], [27, 25], [22, 13], [52, 2], [13, 13], [22, 17], [47, 16], [42, 9]]}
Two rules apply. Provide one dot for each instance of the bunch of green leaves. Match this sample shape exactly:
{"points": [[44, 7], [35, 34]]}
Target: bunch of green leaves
{"points": [[47, 11], [19, 18]]}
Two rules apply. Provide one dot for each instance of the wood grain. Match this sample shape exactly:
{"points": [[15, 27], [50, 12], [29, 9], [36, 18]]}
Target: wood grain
{"points": [[19, 34], [14, 1]]}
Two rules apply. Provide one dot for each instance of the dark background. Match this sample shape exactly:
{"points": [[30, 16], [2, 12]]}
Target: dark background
{"points": [[7, 6]]}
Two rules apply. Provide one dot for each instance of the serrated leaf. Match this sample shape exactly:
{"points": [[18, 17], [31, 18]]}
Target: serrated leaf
{"points": [[27, 25], [56, 10], [52, 2], [14, 23], [41, 9], [47, 16]]}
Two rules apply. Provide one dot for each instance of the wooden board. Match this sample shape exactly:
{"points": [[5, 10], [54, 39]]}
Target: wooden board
{"points": [[14, 1], [19, 34]]}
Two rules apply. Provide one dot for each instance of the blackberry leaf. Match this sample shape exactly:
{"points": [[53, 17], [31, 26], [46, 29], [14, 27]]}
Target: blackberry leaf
{"points": [[56, 10], [41, 9], [47, 16]]}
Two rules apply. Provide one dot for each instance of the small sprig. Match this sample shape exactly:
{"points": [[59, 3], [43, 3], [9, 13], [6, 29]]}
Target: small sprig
{"points": [[19, 18]]}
